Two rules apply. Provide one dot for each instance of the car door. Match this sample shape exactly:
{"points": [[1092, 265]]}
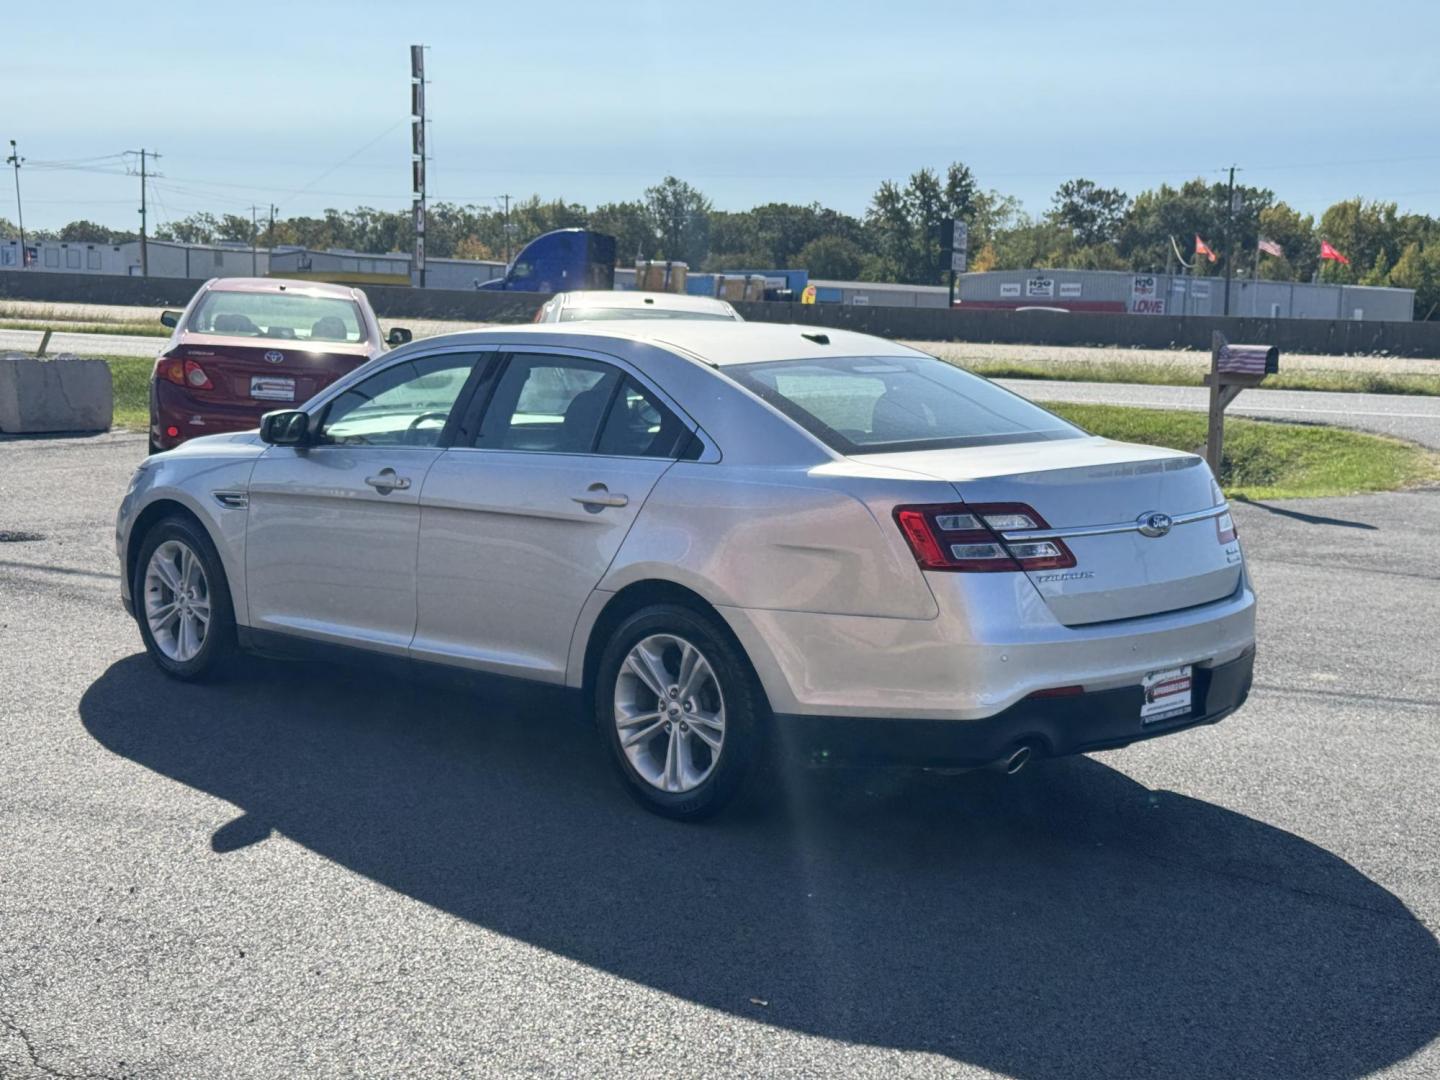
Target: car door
{"points": [[517, 528], [332, 527]]}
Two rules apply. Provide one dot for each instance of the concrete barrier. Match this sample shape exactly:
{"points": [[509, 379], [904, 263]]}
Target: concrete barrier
{"points": [[64, 393]]}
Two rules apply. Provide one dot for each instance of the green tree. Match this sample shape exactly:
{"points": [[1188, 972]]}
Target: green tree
{"points": [[88, 232], [631, 226], [831, 258], [681, 218], [1361, 231], [1092, 214]]}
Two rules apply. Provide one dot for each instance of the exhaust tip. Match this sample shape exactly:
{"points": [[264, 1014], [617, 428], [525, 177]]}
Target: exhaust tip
{"points": [[1017, 761]]}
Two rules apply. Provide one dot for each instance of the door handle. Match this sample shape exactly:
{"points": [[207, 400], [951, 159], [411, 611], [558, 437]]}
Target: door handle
{"points": [[386, 481], [598, 496]]}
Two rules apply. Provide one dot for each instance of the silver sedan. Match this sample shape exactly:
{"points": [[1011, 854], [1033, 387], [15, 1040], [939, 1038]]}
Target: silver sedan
{"points": [[724, 538]]}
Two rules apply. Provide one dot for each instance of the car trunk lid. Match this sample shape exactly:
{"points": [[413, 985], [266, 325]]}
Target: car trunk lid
{"points": [[269, 372], [1093, 494]]}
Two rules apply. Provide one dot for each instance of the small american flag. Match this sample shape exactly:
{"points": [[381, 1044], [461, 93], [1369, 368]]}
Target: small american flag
{"points": [[1270, 247], [1242, 359]]}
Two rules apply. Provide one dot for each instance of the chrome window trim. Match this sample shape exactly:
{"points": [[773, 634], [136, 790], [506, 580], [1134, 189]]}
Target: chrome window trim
{"points": [[1111, 530]]}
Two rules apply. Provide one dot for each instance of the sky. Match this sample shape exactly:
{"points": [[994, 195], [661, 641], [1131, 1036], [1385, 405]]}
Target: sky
{"points": [[306, 104]]}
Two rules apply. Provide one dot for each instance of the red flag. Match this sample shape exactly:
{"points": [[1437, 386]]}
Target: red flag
{"points": [[1202, 248], [1328, 252]]}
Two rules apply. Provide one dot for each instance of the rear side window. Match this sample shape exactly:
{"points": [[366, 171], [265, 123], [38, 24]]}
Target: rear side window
{"points": [[860, 405], [551, 404], [639, 426], [278, 316], [570, 405]]}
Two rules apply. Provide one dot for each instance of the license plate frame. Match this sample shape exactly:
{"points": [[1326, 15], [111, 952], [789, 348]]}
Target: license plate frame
{"points": [[1167, 694], [272, 387]]}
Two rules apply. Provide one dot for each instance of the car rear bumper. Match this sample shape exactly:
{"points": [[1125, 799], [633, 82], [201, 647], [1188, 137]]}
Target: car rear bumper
{"points": [[1048, 726], [192, 416]]}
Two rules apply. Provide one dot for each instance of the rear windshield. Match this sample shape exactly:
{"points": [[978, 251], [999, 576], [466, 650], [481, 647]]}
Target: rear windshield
{"points": [[586, 314], [282, 316], [859, 404]]}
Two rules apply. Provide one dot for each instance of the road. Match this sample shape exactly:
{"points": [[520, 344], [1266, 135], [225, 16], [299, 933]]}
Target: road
{"points": [[27, 341], [312, 871], [1401, 415]]}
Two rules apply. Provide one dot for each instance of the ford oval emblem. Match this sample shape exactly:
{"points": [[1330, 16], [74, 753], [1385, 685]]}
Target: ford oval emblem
{"points": [[1154, 523], [275, 357]]}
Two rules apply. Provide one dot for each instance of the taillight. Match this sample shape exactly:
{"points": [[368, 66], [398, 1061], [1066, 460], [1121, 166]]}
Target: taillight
{"points": [[1224, 523], [966, 536], [183, 373]]}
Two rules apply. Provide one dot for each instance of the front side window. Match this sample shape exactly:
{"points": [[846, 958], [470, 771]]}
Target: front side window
{"points": [[404, 405], [860, 404], [277, 315]]}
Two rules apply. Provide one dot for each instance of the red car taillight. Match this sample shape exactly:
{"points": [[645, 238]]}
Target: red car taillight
{"points": [[966, 536], [183, 373]]}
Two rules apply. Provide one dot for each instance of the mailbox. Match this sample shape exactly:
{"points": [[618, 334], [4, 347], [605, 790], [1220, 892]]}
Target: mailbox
{"points": [[1247, 359]]}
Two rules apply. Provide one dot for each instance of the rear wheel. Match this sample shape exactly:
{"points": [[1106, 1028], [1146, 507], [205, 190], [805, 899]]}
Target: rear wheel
{"points": [[678, 705], [182, 601]]}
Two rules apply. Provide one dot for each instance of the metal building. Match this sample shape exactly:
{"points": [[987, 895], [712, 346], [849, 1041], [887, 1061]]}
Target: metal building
{"points": [[1167, 294]]}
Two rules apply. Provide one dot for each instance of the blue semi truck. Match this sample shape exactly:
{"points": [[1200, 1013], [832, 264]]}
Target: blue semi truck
{"points": [[560, 261]]}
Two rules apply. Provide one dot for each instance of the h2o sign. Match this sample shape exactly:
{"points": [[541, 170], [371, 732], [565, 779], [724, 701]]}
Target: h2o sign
{"points": [[1040, 288], [1145, 298]]}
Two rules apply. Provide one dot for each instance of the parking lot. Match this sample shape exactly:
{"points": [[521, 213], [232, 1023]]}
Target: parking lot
{"points": [[320, 871]]}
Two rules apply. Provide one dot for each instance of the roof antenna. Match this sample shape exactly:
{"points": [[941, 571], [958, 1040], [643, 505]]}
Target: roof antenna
{"points": [[818, 339]]}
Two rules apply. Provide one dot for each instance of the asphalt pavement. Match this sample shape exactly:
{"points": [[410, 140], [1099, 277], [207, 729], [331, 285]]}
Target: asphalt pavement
{"points": [[27, 341], [316, 871], [1403, 416]]}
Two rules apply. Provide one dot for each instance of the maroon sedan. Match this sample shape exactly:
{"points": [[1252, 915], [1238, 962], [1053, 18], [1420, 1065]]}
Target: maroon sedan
{"points": [[245, 346]]}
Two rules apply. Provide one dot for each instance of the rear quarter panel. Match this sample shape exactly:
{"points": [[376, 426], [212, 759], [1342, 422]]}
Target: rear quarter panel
{"points": [[773, 539]]}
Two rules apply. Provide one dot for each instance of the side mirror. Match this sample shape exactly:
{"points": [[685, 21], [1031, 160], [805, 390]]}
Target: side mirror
{"points": [[170, 318], [399, 336], [285, 427]]}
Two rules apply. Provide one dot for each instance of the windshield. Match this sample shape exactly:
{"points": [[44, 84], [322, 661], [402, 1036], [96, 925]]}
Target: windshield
{"points": [[281, 316], [861, 404], [587, 314]]}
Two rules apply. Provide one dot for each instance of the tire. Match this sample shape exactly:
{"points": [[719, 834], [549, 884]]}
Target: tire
{"points": [[699, 779], [155, 448], [196, 656]]}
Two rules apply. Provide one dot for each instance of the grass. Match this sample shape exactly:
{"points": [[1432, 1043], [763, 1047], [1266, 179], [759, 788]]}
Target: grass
{"points": [[131, 376], [1263, 459], [61, 327], [1149, 374], [1268, 460]]}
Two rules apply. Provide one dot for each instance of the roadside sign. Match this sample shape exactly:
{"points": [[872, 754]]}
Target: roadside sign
{"points": [[1039, 288], [955, 239]]}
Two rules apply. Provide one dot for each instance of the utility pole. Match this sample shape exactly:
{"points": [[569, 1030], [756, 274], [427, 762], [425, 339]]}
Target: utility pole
{"points": [[1229, 238], [417, 158], [254, 233], [506, 228], [270, 239], [15, 159], [144, 248]]}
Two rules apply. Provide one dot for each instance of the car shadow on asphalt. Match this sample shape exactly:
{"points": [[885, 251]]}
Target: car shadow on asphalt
{"points": [[1064, 922]]}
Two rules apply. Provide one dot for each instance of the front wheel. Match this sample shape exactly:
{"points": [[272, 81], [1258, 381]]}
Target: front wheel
{"points": [[182, 601], [678, 705]]}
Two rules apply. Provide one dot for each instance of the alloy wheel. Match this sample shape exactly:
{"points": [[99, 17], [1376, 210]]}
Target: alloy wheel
{"points": [[177, 601], [669, 713]]}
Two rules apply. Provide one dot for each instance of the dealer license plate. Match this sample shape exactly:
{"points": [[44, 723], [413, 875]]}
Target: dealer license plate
{"points": [[1168, 694], [272, 388]]}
